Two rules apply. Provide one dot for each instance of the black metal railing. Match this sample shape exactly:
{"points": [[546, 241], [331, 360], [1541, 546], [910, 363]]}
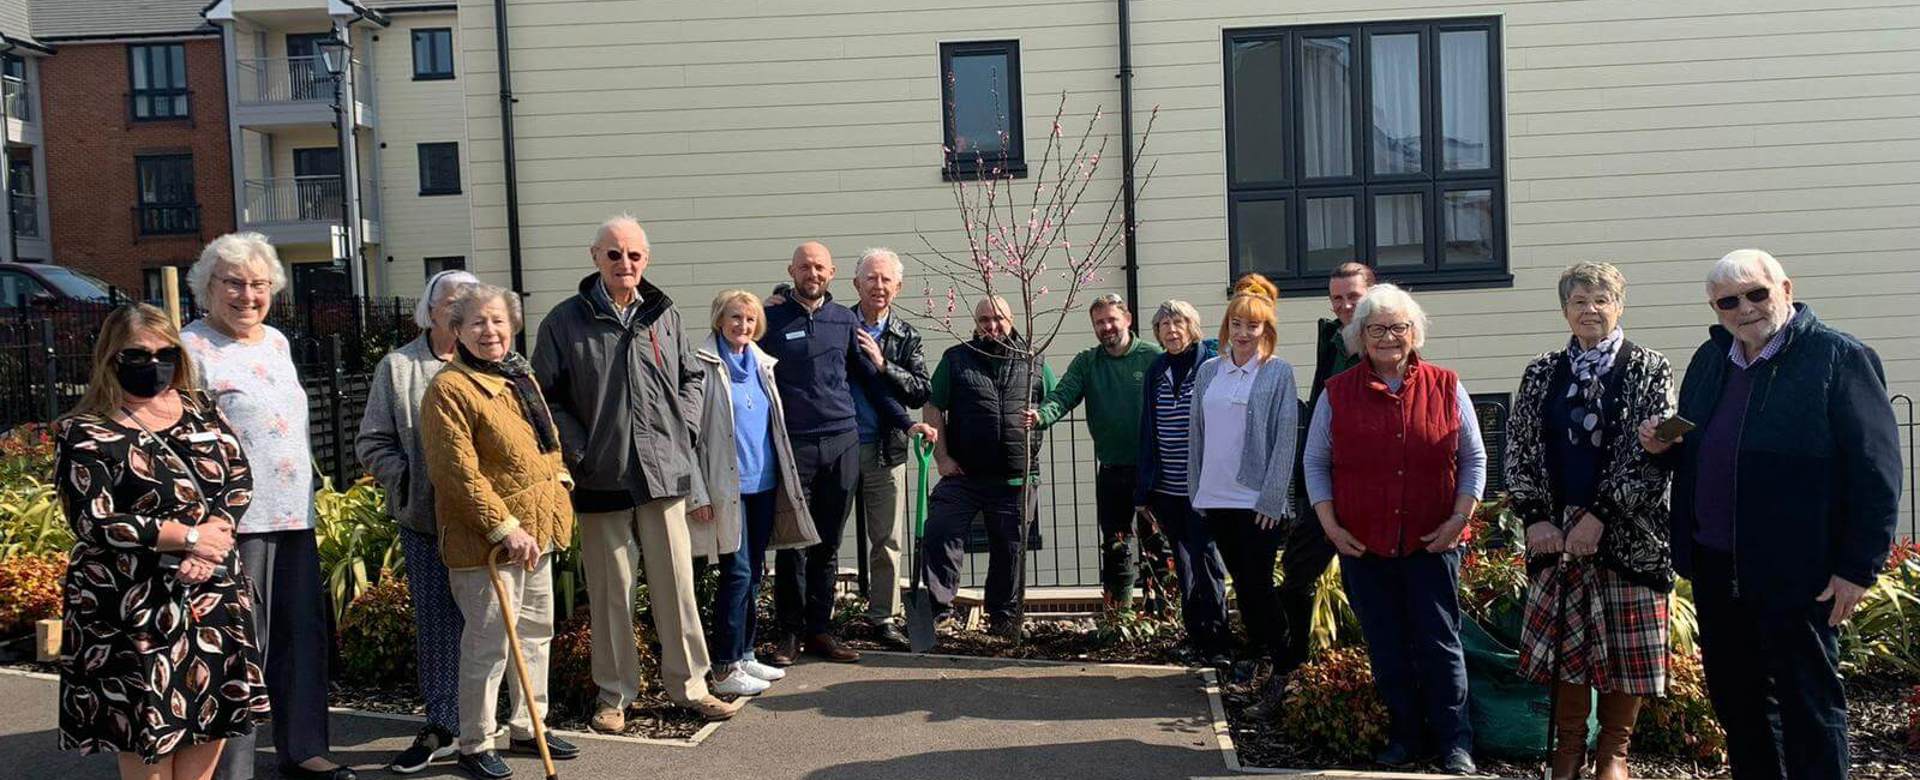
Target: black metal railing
{"points": [[166, 219]]}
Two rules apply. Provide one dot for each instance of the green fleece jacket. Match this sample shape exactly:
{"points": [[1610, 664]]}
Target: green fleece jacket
{"points": [[1111, 387]]}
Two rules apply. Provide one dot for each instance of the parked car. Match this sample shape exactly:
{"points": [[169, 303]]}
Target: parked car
{"points": [[26, 284]]}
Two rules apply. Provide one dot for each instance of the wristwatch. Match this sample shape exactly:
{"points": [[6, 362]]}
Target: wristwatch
{"points": [[193, 538]]}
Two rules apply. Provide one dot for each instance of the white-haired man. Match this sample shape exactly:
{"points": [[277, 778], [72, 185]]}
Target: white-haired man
{"points": [[1784, 505], [619, 372]]}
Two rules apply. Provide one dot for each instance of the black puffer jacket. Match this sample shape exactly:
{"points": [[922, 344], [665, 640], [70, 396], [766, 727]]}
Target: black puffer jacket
{"points": [[984, 431]]}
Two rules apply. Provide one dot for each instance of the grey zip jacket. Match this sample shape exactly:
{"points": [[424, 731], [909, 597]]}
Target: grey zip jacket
{"points": [[626, 398], [389, 440]]}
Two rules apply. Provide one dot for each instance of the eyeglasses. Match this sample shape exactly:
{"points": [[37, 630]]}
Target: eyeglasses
{"points": [[636, 256], [135, 356], [237, 286], [1381, 331], [1731, 302]]}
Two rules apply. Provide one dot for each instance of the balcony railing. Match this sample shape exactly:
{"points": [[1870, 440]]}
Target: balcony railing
{"points": [[166, 219], [26, 215], [19, 99], [268, 80], [301, 199]]}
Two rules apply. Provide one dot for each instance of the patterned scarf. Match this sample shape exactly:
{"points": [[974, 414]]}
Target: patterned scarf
{"points": [[519, 374], [1590, 367]]}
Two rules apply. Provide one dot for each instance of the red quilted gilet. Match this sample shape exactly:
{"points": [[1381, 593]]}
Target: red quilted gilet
{"points": [[1394, 475]]}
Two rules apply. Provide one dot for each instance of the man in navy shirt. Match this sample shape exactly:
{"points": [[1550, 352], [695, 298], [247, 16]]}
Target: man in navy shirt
{"points": [[816, 342]]}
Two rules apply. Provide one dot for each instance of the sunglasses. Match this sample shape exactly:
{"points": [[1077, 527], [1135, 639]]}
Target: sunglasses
{"points": [[1731, 302], [614, 256], [135, 356]]}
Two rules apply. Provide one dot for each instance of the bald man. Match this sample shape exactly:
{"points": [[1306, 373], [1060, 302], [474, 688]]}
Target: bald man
{"points": [[816, 342]]}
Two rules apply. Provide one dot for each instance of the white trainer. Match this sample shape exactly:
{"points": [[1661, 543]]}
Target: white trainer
{"points": [[761, 671], [740, 683]]}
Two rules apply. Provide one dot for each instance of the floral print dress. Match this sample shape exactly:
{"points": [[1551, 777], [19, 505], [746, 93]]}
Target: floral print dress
{"points": [[150, 664]]}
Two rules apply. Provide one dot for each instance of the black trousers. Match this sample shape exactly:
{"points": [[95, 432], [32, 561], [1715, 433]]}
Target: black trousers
{"points": [[1773, 676], [1113, 507], [1250, 551], [290, 624], [950, 512], [829, 469], [1308, 552], [1202, 572]]}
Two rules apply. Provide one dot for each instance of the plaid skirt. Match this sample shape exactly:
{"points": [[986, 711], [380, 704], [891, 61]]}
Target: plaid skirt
{"points": [[1613, 637]]}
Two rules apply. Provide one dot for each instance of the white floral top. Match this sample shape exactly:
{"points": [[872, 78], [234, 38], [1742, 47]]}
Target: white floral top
{"points": [[258, 390]]}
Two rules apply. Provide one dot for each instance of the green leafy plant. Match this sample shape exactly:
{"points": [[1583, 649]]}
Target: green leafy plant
{"points": [[570, 670], [1493, 571], [359, 544], [1332, 707], [1132, 627], [1682, 723], [377, 636], [26, 454], [30, 587], [31, 522], [1884, 633]]}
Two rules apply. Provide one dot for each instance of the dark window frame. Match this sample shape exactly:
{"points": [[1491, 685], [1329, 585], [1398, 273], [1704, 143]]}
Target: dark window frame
{"points": [[434, 265], [150, 98], [1432, 183], [421, 151], [428, 36], [961, 167], [161, 217]]}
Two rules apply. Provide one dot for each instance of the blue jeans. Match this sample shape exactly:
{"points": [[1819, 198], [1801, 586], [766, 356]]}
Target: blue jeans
{"points": [[1409, 610], [437, 625], [733, 600]]}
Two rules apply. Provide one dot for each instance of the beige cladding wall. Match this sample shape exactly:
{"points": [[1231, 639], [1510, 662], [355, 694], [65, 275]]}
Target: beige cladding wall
{"points": [[411, 113], [1651, 134]]}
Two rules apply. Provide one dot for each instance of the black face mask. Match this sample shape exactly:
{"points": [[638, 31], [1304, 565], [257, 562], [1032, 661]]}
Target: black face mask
{"points": [[144, 380]]}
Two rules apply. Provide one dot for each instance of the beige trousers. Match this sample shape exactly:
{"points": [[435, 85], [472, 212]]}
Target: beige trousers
{"points": [[883, 499], [484, 655], [613, 546]]}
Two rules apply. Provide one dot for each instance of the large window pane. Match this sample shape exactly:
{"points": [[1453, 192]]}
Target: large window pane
{"points": [[1326, 106], [1399, 230], [139, 57], [1330, 230], [1259, 111], [979, 104], [1261, 235], [1395, 133], [1466, 113], [1466, 228]]}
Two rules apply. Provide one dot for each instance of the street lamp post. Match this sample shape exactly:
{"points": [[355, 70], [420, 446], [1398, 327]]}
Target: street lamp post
{"points": [[337, 55]]}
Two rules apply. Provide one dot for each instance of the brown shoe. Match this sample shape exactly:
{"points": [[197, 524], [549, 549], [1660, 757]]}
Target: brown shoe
{"points": [[712, 709], [1571, 704], [608, 719], [784, 651], [826, 647], [1618, 711]]}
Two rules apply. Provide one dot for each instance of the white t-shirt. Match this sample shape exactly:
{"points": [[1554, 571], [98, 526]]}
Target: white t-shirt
{"points": [[1225, 416]]}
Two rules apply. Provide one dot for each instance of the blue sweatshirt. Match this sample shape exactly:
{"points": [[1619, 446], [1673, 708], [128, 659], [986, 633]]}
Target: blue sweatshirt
{"points": [[819, 361]]}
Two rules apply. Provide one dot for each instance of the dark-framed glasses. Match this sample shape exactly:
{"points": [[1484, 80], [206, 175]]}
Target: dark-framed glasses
{"points": [[1731, 302], [1381, 331], [635, 256], [136, 356]]}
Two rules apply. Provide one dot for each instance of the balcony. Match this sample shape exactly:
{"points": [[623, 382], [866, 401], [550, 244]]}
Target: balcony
{"points": [[293, 91], [305, 209], [19, 99]]}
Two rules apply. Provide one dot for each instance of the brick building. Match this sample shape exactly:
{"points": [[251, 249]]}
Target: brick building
{"points": [[136, 143]]}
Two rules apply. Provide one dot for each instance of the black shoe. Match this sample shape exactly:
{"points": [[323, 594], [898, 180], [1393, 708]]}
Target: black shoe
{"points": [[1011, 629], [297, 772], [783, 653], [1459, 762], [432, 744], [1396, 755], [890, 635], [485, 764], [558, 749]]}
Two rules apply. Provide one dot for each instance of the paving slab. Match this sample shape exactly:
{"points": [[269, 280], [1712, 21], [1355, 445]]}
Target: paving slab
{"points": [[889, 716]]}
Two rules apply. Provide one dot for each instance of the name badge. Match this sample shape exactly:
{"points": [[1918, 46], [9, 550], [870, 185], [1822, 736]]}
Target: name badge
{"points": [[797, 334], [203, 437]]}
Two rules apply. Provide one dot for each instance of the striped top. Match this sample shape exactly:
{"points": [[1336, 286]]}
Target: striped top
{"points": [[1172, 412]]}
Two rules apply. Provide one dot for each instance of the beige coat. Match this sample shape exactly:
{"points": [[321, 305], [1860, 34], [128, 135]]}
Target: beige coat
{"points": [[792, 525], [489, 475]]}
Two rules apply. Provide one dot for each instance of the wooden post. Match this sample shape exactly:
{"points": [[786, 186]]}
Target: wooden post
{"points": [[170, 293]]}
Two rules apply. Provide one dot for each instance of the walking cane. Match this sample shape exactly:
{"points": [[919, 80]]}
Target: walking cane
{"points": [[520, 664], [1553, 684]]}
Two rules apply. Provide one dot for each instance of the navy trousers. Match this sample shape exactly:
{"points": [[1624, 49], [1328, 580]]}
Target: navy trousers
{"points": [[1409, 610], [803, 580], [1200, 569]]}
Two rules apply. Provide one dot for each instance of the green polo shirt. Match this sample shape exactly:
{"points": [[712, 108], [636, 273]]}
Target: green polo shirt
{"points": [[1111, 387]]}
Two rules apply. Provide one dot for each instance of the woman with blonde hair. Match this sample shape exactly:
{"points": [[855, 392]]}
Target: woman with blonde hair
{"points": [[152, 481], [1245, 420], [1394, 468]]}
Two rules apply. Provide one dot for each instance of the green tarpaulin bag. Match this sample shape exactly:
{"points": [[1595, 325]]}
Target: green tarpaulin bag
{"points": [[1509, 714]]}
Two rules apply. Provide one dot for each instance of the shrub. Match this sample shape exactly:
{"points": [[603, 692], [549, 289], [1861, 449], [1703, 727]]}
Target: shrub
{"points": [[30, 588], [358, 542], [1884, 634], [1682, 723], [570, 664], [377, 636], [31, 522], [26, 453], [1332, 708]]}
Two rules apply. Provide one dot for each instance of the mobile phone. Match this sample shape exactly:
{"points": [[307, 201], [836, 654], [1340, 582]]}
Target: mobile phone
{"points": [[1673, 428]]}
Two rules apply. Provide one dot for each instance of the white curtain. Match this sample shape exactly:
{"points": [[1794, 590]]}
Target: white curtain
{"points": [[1398, 220], [1466, 113], [1326, 96]]}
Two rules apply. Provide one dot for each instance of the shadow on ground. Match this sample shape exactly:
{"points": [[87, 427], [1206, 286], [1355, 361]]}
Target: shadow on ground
{"points": [[1115, 759]]}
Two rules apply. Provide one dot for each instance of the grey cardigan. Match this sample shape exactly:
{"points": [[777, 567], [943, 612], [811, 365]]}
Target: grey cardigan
{"points": [[792, 523], [1267, 451], [389, 440]]}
